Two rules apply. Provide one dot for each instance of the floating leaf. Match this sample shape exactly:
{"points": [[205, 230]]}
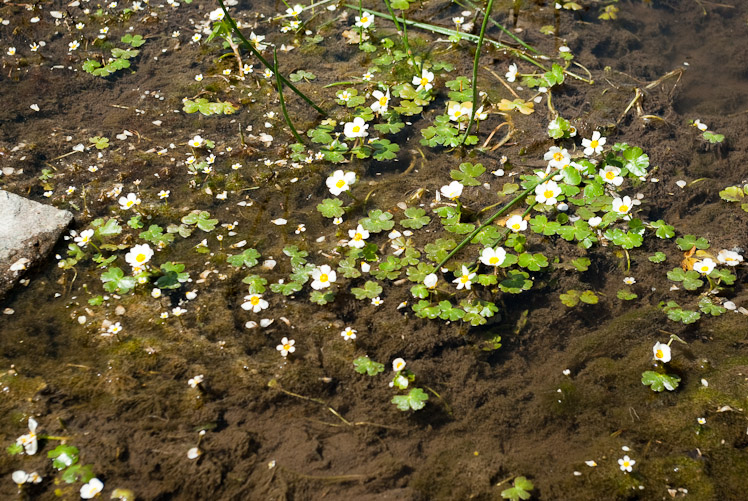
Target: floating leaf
{"points": [[365, 365], [659, 382], [415, 399]]}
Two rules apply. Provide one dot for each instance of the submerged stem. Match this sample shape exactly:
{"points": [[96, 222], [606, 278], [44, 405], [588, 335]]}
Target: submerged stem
{"points": [[264, 61], [279, 83], [475, 71]]}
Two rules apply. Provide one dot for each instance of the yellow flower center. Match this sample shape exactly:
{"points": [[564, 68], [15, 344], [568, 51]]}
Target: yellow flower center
{"points": [[659, 354], [286, 346], [493, 260], [626, 464], [464, 279], [364, 20], [324, 277], [130, 203], [704, 267], [254, 300], [358, 236], [610, 175], [340, 183], [424, 81], [594, 144], [458, 113], [356, 128], [140, 258], [515, 226], [623, 208], [558, 156], [383, 101], [548, 193]]}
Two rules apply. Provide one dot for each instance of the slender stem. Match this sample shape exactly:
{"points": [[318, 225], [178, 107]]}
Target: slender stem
{"points": [[471, 5], [403, 30], [475, 71], [492, 218], [279, 83], [466, 36], [264, 61]]}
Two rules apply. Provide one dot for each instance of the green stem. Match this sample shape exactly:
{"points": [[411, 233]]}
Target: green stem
{"points": [[471, 5], [475, 71], [279, 83], [264, 61], [403, 31], [492, 218], [467, 36]]}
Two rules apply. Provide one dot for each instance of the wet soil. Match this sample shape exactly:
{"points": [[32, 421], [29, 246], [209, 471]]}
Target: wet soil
{"points": [[310, 427]]}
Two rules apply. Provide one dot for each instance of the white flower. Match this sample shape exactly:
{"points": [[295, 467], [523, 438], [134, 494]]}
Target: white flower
{"points": [[381, 103], [367, 76], [594, 145], [452, 191], [465, 280], [322, 277], [661, 352], [595, 221], [255, 303], [73, 45], [365, 20], [626, 463], [268, 73], [516, 223], [730, 258], [11, 51], [355, 129], [194, 453], [622, 205], [398, 364], [558, 158], [458, 111], [493, 257], [340, 181], [256, 41], [424, 81], [547, 192], [156, 293], [29, 441], [295, 10], [344, 95], [85, 237], [286, 347], [376, 301], [700, 125], [358, 237], [196, 141], [349, 334], [337, 221], [196, 381], [430, 280], [196, 37], [701, 421], [705, 266], [115, 328], [92, 488], [629, 280], [459, 21], [191, 295], [129, 201], [511, 75], [164, 194], [139, 255], [611, 174]]}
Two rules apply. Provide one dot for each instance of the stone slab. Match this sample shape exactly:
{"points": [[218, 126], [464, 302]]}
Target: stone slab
{"points": [[28, 232]]}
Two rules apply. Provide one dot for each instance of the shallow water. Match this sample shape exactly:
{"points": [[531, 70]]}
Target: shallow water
{"points": [[310, 427]]}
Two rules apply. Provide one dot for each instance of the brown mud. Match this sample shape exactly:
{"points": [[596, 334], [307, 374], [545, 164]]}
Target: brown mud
{"points": [[312, 428]]}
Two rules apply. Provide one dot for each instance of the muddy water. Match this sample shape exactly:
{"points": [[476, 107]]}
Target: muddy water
{"points": [[125, 403]]}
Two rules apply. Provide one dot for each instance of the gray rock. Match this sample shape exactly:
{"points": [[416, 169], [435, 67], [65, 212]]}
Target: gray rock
{"points": [[28, 231]]}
